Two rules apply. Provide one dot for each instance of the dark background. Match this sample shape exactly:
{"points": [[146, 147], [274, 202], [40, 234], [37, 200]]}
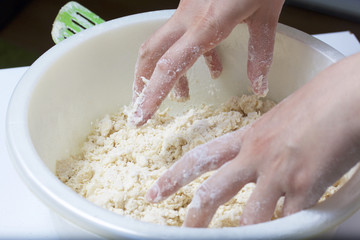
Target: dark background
{"points": [[25, 25]]}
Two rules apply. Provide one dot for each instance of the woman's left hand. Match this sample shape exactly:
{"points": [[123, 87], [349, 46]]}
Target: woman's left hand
{"points": [[296, 150]]}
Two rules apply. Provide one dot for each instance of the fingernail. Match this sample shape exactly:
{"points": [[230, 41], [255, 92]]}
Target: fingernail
{"points": [[152, 194], [215, 74], [260, 86], [136, 118]]}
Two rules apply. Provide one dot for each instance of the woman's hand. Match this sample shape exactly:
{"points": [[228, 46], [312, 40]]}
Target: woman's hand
{"points": [[296, 150], [195, 29]]}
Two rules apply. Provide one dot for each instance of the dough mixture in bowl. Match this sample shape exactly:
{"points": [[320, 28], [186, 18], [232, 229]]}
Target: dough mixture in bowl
{"points": [[118, 164]]}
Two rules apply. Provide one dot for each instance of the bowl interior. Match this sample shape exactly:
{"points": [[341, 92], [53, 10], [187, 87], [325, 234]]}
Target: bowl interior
{"points": [[93, 78], [91, 74]]}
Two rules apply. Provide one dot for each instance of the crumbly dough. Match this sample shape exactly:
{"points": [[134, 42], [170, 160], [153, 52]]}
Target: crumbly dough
{"points": [[118, 164]]}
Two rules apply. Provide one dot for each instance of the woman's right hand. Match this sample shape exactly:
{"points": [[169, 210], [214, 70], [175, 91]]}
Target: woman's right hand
{"points": [[195, 29]]}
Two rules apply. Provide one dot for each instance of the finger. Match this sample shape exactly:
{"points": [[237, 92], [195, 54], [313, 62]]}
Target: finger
{"points": [[300, 199], [260, 51], [180, 91], [152, 50], [216, 190], [212, 60], [261, 205], [173, 64], [204, 158]]}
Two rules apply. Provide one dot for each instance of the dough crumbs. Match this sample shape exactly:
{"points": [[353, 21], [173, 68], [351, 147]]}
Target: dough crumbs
{"points": [[118, 164]]}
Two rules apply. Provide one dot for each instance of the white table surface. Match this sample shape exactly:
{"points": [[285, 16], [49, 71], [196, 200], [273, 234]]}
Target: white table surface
{"points": [[22, 215]]}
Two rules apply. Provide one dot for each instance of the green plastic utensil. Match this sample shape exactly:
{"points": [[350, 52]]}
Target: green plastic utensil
{"points": [[71, 19]]}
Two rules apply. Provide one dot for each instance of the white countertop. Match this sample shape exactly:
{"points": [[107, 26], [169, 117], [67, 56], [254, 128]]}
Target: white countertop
{"points": [[22, 215]]}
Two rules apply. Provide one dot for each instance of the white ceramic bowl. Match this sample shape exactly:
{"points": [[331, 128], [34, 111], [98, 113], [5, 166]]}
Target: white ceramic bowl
{"points": [[90, 74]]}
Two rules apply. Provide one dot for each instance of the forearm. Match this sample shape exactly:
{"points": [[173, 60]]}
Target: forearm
{"points": [[336, 92], [345, 78]]}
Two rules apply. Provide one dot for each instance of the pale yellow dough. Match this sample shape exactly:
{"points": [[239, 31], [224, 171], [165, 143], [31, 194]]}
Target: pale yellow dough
{"points": [[118, 164]]}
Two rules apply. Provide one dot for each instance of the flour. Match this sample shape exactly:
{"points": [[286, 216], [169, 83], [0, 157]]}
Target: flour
{"points": [[118, 163]]}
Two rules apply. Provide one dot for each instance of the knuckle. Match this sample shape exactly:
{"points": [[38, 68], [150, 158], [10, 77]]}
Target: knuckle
{"points": [[211, 26], [299, 182], [149, 50], [167, 67], [210, 23], [203, 198], [144, 50], [164, 64]]}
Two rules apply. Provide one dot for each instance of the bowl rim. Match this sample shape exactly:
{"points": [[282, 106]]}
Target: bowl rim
{"points": [[61, 199]]}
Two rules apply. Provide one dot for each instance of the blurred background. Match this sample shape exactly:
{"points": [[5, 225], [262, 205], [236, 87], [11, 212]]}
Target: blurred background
{"points": [[25, 25]]}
